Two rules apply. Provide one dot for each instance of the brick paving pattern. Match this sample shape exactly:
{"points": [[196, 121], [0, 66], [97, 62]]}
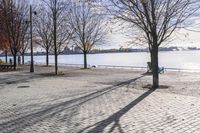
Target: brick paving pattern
{"points": [[93, 102]]}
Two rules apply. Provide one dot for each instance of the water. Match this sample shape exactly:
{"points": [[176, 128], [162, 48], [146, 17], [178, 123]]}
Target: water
{"points": [[173, 59]]}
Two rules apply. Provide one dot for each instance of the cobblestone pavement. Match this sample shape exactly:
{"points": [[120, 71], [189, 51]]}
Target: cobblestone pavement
{"points": [[93, 101]]}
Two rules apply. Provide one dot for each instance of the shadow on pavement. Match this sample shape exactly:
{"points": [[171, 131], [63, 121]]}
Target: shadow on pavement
{"points": [[20, 122], [18, 78], [115, 118]]}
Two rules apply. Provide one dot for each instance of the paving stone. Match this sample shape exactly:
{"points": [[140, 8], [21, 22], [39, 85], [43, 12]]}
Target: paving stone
{"points": [[84, 105]]}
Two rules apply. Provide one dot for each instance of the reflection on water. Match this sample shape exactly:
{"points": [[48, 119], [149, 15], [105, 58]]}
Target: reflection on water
{"points": [[175, 59]]}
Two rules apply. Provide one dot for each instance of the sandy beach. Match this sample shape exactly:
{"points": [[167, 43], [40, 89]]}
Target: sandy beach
{"points": [[98, 100]]}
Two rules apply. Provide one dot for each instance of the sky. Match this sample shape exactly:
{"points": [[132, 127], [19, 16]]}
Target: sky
{"points": [[181, 38], [184, 37], [189, 37]]}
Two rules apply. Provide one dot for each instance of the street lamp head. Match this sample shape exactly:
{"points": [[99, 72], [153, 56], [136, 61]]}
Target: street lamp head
{"points": [[35, 13], [26, 21]]}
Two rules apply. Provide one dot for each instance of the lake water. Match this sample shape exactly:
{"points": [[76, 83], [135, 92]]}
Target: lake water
{"points": [[174, 59]]}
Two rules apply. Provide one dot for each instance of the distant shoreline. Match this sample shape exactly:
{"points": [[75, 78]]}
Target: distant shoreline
{"points": [[116, 52]]}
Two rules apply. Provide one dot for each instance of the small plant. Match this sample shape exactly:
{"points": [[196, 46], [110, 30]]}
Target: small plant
{"points": [[1, 62]]}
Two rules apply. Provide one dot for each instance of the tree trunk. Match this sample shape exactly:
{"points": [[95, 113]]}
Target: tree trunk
{"points": [[19, 60], [56, 63], [23, 59], [15, 60], [85, 59], [155, 68], [47, 57], [6, 56]]}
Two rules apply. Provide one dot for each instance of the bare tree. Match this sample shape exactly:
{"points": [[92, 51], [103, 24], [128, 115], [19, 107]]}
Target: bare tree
{"points": [[89, 27], [156, 19], [4, 44], [24, 46], [24, 39], [64, 34], [61, 32], [14, 13], [43, 28]]}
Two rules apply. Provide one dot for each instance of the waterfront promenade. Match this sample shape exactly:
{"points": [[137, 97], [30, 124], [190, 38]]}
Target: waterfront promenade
{"points": [[98, 100]]}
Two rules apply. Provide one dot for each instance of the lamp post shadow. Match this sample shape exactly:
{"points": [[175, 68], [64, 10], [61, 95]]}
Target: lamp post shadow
{"points": [[47, 112]]}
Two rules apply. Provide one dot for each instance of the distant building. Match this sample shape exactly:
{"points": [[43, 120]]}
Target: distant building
{"points": [[77, 49], [66, 50]]}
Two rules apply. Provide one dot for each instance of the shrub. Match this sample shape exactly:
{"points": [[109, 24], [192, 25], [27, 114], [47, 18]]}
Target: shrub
{"points": [[1, 62]]}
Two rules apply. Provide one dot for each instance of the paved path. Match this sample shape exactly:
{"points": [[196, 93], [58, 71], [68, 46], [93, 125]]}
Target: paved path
{"points": [[92, 103]]}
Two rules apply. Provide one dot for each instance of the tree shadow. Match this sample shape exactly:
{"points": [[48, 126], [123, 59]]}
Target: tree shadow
{"points": [[20, 122], [18, 78], [25, 77], [115, 118]]}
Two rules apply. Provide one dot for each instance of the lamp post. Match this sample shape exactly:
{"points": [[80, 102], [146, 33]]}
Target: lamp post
{"points": [[55, 35], [31, 35]]}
